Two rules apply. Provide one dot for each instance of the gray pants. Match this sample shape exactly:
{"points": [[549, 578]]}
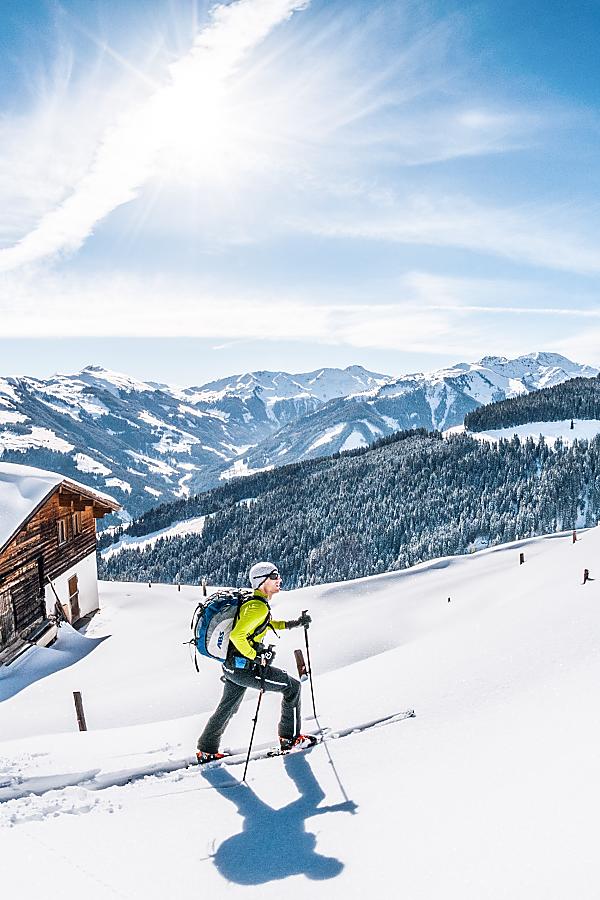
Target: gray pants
{"points": [[236, 682]]}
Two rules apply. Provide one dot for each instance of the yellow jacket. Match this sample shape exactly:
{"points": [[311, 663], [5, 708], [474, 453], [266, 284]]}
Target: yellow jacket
{"points": [[248, 630]]}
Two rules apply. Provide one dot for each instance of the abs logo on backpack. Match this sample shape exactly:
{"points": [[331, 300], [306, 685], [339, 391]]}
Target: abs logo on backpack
{"points": [[213, 621]]}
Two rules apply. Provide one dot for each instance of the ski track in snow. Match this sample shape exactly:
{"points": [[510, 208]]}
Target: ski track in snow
{"points": [[73, 801], [27, 799]]}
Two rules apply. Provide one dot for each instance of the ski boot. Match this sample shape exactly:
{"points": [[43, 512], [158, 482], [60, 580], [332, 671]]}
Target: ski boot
{"points": [[204, 757], [300, 742]]}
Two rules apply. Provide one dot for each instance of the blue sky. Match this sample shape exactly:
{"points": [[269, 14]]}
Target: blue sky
{"points": [[191, 191]]}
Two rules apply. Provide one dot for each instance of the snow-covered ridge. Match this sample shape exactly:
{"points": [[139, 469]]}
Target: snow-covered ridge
{"points": [[435, 400], [484, 381], [114, 381], [185, 440], [274, 387]]}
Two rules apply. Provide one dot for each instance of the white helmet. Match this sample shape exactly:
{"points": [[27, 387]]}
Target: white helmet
{"points": [[261, 571]]}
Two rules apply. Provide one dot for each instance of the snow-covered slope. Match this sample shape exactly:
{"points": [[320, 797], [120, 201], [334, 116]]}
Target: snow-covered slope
{"points": [[434, 400], [179, 529], [490, 792], [582, 430]]}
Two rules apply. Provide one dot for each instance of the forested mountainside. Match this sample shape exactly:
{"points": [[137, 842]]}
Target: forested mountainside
{"points": [[408, 498], [578, 398]]}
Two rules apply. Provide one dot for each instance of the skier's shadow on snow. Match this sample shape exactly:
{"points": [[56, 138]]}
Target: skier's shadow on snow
{"points": [[274, 843]]}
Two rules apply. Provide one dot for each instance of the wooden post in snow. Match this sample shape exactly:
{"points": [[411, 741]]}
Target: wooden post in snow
{"points": [[301, 665], [79, 710], [574, 536], [521, 558]]}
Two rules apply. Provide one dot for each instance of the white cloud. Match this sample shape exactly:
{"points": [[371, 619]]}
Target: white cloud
{"points": [[127, 154], [519, 235], [488, 296], [426, 316], [260, 140], [46, 150]]}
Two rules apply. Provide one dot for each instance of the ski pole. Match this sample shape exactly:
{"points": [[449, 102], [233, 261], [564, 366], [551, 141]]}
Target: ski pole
{"points": [[59, 611], [312, 691], [255, 720]]}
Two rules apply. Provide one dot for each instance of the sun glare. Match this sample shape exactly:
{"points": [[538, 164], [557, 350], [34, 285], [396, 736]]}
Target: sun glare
{"points": [[197, 133]]}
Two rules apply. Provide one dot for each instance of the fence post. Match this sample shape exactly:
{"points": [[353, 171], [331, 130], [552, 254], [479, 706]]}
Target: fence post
{"points": [[79, 710], [521, 558], [301, 665]]}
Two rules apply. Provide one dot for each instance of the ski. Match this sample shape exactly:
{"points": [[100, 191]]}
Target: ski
{"points": [[97, 779], [322, 735]]}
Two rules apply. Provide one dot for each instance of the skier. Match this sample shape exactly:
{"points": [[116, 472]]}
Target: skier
{"points": [[249, 664]]}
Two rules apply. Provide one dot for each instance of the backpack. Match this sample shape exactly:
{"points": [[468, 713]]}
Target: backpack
{"points": [[214, 619]]}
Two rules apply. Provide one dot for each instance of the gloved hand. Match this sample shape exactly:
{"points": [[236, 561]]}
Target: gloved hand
{"points": [[264, 657], [304, 621], [268, 656]]}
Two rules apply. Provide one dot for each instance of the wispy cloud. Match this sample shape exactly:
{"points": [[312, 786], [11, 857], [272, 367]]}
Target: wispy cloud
{"points": [[428, 315], [280, 139], [488, 296], [127, 154], [521, 235]]}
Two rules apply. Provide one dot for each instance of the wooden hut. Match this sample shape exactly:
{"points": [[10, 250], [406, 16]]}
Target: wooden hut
{"points": [[47, 554]]}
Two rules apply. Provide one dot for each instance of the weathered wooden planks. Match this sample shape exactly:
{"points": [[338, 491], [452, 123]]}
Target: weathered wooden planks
{"points": [[60, 534]]}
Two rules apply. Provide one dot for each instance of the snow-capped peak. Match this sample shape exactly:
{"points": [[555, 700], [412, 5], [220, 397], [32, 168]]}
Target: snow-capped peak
{"points": [[320, 385], [113, 380]]}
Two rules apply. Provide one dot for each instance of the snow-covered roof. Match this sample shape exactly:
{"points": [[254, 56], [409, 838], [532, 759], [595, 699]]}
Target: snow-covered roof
{"points": [[24, 488]]}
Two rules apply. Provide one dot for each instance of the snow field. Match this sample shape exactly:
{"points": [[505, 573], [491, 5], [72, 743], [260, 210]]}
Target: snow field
{"points": [[490, 792], [583, 430]]}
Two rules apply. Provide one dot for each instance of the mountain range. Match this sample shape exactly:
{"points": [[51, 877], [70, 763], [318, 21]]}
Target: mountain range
{"points": [[147, 442]]}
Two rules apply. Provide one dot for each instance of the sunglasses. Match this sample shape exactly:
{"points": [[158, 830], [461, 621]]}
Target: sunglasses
{"points": [[274, 576]]}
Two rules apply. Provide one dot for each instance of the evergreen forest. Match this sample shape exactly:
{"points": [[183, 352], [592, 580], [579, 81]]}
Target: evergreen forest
{"points": [[407, 498], [578, 398]]}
